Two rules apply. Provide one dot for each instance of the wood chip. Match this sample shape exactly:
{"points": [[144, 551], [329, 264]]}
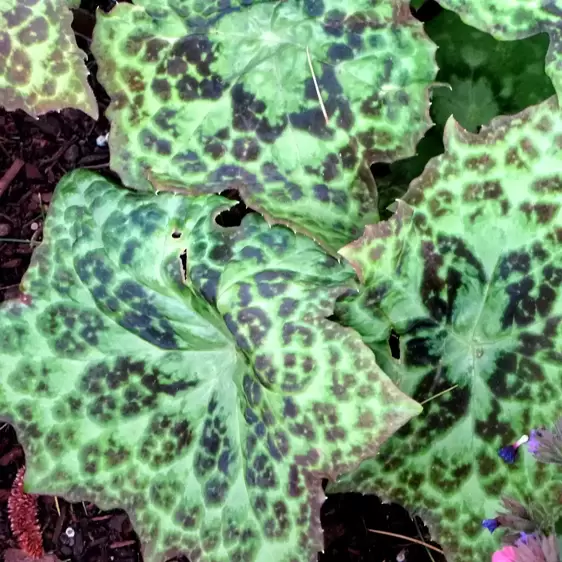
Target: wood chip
{"points": [[121, 544], [10, 174], [11, 264]]}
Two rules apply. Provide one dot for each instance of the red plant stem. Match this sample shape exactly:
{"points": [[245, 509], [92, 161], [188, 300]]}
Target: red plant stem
{"points": [[22, 511]]}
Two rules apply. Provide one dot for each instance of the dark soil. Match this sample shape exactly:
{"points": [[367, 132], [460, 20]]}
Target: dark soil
{"points": [[34, 155]]}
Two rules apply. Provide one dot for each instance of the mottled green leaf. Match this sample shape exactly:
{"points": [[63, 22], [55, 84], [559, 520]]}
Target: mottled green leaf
{"points": [[41, 67], [516, 19], [214, 95], [208, 407], [467, 274]]}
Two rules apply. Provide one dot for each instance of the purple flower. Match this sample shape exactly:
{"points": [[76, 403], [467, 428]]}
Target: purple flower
{"points": [[523, 538], [508, 454], [537, 548], [490, 524], [546, 445], [534, 444]]}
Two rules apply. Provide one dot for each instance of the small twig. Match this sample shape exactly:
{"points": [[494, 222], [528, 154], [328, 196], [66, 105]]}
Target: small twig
{"points": [[14, 241], [5, 289], [316, 86], [60, 521], [31, 221], [411, 539], [57, 505], [96, 166], [439, 394], [101, 518], [2, 142], [85, 37], [41, 206], [421, 538], [10, 174], [50, 162], [121, 544]]}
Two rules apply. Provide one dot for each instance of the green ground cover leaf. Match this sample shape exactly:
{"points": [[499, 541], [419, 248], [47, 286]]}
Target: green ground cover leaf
{"points": [[208, 96], [487, 78], [517, 19], [471, 101], [468, 274], [209, 407], [41, 67]]}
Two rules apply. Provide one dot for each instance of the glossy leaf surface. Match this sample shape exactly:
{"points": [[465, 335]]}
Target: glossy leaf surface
{"points": [[209, 96], [41, 67], [210, 406], [467, 274]]}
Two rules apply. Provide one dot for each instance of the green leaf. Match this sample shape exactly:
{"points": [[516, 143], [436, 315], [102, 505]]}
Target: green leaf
{"points": [[208, 98], [41, 67], [209, 407], [471, 102], [488, 77], [517, 19], [467, 274]]}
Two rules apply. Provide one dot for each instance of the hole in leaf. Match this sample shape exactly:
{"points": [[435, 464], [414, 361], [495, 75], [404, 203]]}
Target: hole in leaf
{"points": [[425, 11], [394, 343], [183, 260], [393, 179], [176, 234], [233, 216], [381, 169], [105, 5]]}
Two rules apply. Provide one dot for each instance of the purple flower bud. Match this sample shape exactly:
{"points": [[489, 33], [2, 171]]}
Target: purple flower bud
{"points": [[534, 441], [524, 538], [508, 454], [490, 524], [546, 445]]}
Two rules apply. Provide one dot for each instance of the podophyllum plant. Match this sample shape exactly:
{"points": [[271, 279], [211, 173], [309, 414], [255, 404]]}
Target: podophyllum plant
{"points": [[206, 379], [468, 273], [41, 67]]}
